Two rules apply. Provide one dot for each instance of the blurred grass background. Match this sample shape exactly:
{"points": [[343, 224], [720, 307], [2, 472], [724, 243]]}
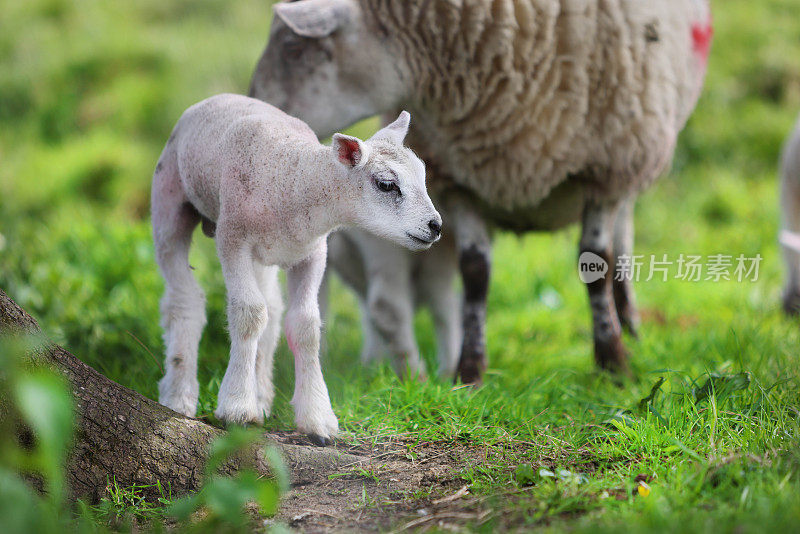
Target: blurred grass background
{"points": [[89, 91]]}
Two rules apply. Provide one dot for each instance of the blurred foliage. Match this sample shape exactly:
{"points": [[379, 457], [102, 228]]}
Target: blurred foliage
{"points": [[36, 431]]}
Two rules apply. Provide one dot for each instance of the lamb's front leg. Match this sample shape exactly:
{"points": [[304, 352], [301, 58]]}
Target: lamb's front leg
{"points": [[267, 343], [597, 238], [247, 317], [312, 406]]}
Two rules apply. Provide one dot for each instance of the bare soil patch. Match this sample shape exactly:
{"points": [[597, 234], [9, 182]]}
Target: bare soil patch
{"points": [[395, 483]]}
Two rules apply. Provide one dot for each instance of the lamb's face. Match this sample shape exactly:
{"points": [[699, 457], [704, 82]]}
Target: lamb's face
{"points": [[324, 66], [394, 202]]}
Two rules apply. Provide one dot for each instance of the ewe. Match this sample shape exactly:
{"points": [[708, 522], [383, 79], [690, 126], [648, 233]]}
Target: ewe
{"points": [[270, 193], [540, 113]]}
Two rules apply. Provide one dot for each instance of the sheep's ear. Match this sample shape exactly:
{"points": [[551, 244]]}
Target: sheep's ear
{"points": [[396, 131], [314, 18], [350, 151]]}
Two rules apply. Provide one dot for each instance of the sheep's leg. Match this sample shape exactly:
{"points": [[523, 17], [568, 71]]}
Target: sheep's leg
{"points": [[183, 313], [390, 306], [597, 238], [474, 260], [790, 204], [373, 348], [312, 406], [247, 318], [624, 297], [344, 256], [435, 286], [271, 291]]}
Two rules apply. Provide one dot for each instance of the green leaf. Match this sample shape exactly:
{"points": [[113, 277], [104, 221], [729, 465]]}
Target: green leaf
{"points": [[237, 439], [653, 392], [524, 475], [721, 386], [225, 497], [184, 507], [46, 405], [278, 467], [268, 496]]}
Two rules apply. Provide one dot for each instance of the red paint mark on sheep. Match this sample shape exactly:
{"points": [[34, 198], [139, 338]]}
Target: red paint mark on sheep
{"points": [[701, 38]]}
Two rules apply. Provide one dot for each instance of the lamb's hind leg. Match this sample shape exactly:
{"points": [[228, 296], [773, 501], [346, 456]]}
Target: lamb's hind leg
{"points": [[624, 297], [271, 291], [390, 305], [434, 285], [597, 238], [312, 406], [183, 305]]}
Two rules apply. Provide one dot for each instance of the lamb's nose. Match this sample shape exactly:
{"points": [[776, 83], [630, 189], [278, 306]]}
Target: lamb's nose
{"points": [[436, 228]]}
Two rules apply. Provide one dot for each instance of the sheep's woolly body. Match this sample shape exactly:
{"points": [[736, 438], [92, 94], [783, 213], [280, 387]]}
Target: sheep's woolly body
{"points": [[519, 95]]}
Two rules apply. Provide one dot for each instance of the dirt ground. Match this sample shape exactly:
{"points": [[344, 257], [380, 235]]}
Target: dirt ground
{"points": [[388, 484], [395, 483]]}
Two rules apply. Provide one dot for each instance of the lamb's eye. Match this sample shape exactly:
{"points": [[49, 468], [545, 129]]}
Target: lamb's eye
{"points": [[387, 186]]}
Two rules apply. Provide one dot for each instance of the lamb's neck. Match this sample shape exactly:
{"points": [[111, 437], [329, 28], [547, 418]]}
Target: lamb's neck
{"points": [[330, 200]]}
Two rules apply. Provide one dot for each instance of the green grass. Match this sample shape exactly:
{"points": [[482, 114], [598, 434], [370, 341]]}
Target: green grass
{"points": [[88, 94]]}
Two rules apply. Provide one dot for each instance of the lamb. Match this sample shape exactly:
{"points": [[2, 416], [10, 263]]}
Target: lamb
{"points": [[390, 285], [790, 227], [540, 113], [269, 193]]}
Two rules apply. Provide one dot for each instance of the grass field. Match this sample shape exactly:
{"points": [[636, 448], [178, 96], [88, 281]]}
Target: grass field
{"points": [[89, 91]]}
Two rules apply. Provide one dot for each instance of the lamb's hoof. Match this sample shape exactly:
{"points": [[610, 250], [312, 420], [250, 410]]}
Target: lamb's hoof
{"points": [[183, 406], [316, 421], [320, 441], [239, 414]]}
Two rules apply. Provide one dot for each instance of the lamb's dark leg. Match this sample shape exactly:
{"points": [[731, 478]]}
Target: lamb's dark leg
{"points": [[474, 259], [624, 297], [597, 237]]}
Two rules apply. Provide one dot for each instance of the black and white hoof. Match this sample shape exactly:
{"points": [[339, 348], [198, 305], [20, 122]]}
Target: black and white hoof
{"points": [[320, 441]]}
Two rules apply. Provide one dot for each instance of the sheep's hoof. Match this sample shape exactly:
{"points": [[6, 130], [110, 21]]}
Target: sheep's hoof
{"points": [[470, 370], [791, 304], [611, 356], [320, 441]]}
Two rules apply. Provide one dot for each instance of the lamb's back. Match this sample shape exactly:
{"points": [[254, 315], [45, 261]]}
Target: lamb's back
{"points": [[227, 134]]}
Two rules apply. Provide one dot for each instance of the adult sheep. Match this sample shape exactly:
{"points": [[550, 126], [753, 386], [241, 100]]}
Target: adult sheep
{"points": [[540, 112]]}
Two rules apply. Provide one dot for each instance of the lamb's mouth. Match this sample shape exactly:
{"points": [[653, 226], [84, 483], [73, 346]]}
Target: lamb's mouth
{"points": [[420, 241]]}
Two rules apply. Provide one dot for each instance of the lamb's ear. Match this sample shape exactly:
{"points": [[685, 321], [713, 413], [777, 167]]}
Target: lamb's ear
{"points": [[396, 131], [314, 18], [350, 151]]}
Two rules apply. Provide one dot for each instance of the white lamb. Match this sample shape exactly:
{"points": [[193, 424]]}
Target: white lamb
{"points": [[790, 228], [270, 193], [540, 113]]}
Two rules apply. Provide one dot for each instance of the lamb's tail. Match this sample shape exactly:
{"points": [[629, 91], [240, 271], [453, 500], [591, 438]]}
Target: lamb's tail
{"points": [[790, 226]]}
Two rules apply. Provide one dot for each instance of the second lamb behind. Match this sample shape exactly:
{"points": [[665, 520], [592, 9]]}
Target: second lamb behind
{"points": [[270, 193]]}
